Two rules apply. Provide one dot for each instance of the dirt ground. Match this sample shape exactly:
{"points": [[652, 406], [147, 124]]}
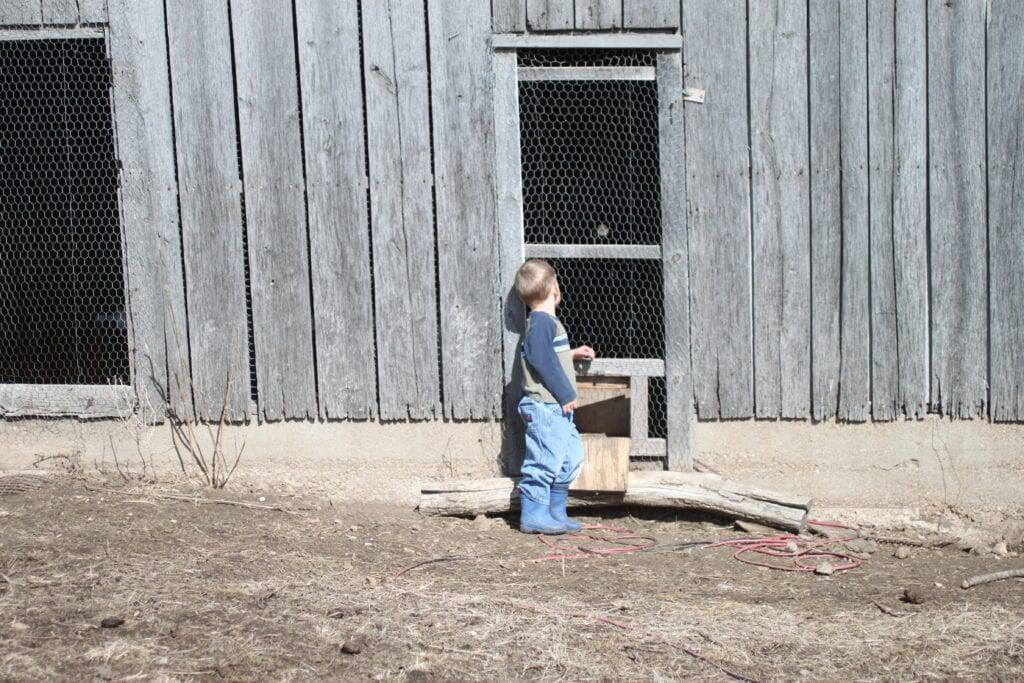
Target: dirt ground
{"points": [[213, 591]]}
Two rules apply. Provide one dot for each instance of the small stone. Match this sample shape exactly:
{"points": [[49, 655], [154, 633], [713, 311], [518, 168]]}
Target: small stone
{"points": [[112, 622], [825, 568], [372, 581], [902, 552], [351, 647], [262, 499], [1000, 549], [482, 523], [792, 548], [18, 626]]}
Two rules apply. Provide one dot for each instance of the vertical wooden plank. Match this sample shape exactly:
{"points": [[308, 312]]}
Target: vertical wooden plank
{"points": [[549, 15], [398, 127], [639, 409], [718, 196], [956, 141], [598, 14], [60, 11], [781, 208], [92, 11], [209, 194], [336, 185], [910, 206], [881, 34], [675, 259], [1006, 206], [826, 239], [855, 321], [462, 106], [268, 110], [508, 16], [650, 13], [149, 213], [20, 12]]}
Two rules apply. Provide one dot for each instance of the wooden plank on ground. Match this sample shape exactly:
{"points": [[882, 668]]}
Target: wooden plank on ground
{"points": [[826, 238], [781, 208], [149, 211], [92, 11], [64, 400], [679, 413], [336, 186], [855, 320], [910, 206], [268, 109], [508, 16], [605, 464], [549, 15], [650, 13], [881, 35], [398, 134], [462, 101], [601, 15], [209, 193], [60, 11], [718, 197], [956, 144], [20, 12], [1006, 206]]}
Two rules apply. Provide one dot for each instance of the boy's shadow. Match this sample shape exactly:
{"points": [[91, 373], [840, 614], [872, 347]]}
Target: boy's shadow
{"points": [[510, 457]]}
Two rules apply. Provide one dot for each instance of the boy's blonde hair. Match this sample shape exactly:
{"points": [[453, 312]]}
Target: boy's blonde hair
{"points": [[534, 281]]}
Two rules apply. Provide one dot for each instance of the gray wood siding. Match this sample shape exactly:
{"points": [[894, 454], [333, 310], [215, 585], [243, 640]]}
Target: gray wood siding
{"points": [[268, 109], [508, 16], [209, 194], [1006, 206], [463, 114], [92, 11], [598, 14], [550, 15], [650, 13], [781, 208], [956, 143], [718, 196], [60, 11], [398, 120], [20, 12], [336, 187]]}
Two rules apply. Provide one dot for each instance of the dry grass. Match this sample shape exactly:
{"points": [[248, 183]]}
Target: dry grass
{"points": [[215, 591]]}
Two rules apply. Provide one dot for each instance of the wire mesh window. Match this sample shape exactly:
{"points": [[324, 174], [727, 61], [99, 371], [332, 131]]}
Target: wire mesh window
{"points": [[590, 169], [62, 304]]}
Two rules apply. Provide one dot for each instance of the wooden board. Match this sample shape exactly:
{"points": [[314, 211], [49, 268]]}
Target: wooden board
{"points": [[881, 43], [956, 144], [718, 197], [64, 400], [781, 208], [398, 127], [149, 211], [603, 406], [855, 321], [826, 238], [598, 14], [60, 11], [336, 188], [20, 12], [677, 371], [549, 15], [1005, 208], [650, 13], [268, 109], [92, 11], [605, 464], [508, 16], [462, 105], [209, 194]]}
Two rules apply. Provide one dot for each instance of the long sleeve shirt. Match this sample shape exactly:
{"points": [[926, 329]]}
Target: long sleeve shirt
{"points": [[548, 374]]}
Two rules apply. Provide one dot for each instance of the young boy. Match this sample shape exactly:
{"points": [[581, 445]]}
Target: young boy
{"points": [[554, 451]]}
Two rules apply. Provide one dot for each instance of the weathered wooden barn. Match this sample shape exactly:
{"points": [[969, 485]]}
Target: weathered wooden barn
{"points": [[312, 209]]}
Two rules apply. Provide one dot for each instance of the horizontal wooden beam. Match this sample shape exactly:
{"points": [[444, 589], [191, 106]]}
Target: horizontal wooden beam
{"points": [[630, 251], [64, 400], [647, 447], [51, 33], [586, 73], [594, 41], [622, 367]]}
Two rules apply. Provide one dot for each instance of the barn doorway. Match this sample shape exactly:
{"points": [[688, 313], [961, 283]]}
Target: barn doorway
{"points": [[62, 289]]}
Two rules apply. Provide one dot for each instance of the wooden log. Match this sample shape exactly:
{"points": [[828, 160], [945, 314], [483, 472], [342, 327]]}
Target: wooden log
{"points": [[685, 490], [994, 576]]}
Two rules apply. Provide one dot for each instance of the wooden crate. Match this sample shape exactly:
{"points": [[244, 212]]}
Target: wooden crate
{"points": [[605, 464]]}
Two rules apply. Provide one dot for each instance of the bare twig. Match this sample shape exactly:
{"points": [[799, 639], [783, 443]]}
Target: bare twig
{"points": [[994, 576]]}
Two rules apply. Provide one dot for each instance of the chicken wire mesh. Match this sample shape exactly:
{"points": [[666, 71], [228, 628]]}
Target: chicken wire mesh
{"points": [[62, 304], [589, 154]]}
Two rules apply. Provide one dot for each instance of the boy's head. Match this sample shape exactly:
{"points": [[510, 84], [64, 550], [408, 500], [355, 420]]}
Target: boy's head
{"points": [[535, 282]]}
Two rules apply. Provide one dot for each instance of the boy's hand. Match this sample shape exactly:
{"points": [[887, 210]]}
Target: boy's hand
{"points": [[569, 407], [583, 353]]}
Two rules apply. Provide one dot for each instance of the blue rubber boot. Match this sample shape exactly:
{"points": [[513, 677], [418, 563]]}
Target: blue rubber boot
{"points": [[559, 501], [534, 518]]}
